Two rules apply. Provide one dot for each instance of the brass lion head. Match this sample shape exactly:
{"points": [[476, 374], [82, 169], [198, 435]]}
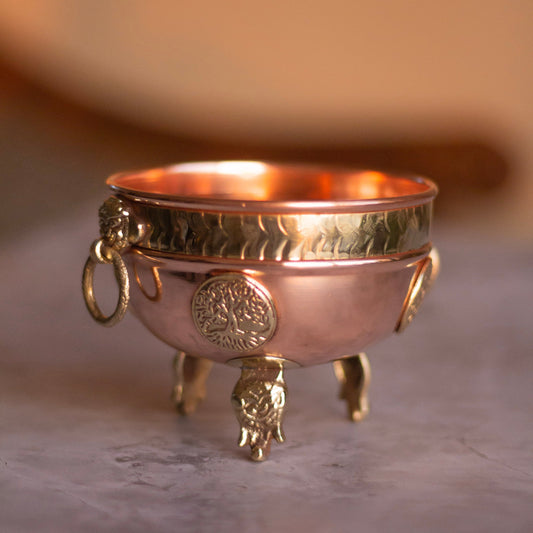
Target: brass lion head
{"points": [[114, 220]]}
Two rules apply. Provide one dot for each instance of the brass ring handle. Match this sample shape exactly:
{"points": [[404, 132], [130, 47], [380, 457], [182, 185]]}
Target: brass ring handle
{"points": [[421, 284], [157, 284], [102, 254]]}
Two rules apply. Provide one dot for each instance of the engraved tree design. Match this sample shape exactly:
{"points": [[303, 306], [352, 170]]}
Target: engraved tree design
{"points": [[259, 399], [232, 312]]}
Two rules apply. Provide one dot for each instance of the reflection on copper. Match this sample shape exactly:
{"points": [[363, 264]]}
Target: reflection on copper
{"points": [[282, 187]]}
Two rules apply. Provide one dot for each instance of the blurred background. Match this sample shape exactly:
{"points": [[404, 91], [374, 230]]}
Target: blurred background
{"points": [[90, 87]]}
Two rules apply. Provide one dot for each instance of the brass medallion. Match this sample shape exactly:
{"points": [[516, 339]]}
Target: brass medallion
{"points": [[234, 312]]}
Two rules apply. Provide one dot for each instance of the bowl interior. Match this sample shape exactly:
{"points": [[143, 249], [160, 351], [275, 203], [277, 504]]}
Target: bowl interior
{"points": [[254, 181]]}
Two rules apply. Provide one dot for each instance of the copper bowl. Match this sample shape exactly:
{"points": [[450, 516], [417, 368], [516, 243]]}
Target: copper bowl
{"points": [[266, 266]]}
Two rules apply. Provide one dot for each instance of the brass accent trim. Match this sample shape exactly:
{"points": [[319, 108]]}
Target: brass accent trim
{"points": [[411, 254], [283, 237], [190, 376], [420, 286], [353, 374], [114, 222], [158, 286], [267, 361], [118, 230], [234, 312], [102, 254], [259, 400]]}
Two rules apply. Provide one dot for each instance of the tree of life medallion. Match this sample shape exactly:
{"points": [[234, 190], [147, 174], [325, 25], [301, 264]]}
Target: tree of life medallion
{"points": [[234, 312]]}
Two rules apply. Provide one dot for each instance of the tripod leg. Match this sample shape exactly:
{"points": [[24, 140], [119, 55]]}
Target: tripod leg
{"points": [[190, 374], [353, 374]]}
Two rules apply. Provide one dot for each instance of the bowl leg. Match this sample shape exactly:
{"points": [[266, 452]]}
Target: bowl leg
{"points": [[353, 374], [259, 399], [190, 375]]}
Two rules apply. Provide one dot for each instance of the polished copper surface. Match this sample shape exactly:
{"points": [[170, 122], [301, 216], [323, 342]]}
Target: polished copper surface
{"points": [[326, 310], [267, 187]]}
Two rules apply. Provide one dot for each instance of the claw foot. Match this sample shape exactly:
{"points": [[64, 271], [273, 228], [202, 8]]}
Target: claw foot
{"points": [[259, 399], [353, 374], [190, 376]]}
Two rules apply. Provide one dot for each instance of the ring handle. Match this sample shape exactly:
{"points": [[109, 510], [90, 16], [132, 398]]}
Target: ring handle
{"points": [[422, 282], [102, 254], [157, 284]]}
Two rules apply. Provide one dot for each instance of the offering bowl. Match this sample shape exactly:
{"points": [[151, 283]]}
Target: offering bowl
{"points": [[266, 267]]}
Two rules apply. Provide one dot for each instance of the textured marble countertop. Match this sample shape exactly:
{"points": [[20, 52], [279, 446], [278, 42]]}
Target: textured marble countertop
{"points": [[90, 442]]}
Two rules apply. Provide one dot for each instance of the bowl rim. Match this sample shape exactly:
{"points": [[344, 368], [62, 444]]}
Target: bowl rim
{"points": [[118, 184]]}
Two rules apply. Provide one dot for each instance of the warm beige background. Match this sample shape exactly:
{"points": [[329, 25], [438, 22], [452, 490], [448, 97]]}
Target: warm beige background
{"points": [[298, 71]]}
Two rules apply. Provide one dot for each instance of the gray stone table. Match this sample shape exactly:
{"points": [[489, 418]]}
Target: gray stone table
{"points": [[90, 442]]}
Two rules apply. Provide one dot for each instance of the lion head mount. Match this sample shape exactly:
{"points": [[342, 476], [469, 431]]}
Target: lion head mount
{"points": [[114, 222]]}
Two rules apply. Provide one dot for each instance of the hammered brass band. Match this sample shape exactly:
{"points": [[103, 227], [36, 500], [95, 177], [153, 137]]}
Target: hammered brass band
{"points": [[283, 237]]}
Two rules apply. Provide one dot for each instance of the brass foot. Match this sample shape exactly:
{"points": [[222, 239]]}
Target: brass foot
{"points": [[190, 376], [353, 374], [259, 401]]}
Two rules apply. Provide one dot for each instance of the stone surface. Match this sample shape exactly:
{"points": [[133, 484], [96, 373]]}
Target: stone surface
{"points": [[89, 440]]}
